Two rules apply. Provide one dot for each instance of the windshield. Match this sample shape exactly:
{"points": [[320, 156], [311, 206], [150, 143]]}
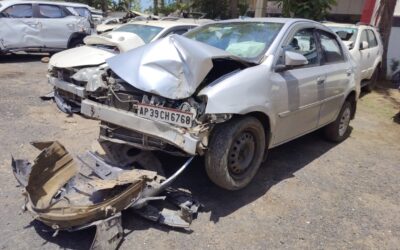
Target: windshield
{"points": [[146, 32], [248, 40], [346, 34]]}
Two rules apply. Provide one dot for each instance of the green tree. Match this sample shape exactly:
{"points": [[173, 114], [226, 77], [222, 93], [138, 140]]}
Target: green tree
{"points": [[214, 9], [310, 9]]}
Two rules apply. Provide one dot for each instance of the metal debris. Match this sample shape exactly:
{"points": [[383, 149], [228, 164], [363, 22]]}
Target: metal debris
{"points": [[74, 193]]}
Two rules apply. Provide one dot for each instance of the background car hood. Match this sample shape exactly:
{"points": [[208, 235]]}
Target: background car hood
{"points": [[172, 67], [123, 40], [80, 56]]}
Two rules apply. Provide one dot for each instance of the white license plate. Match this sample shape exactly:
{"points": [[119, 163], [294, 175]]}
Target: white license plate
{"points": [[177, 117]]}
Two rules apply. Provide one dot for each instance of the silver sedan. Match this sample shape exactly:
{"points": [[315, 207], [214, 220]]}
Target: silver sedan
{"points": [[228, 91]]}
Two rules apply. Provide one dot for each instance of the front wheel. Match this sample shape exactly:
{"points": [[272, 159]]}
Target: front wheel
{"points": [[235, 152], [339, 130]]}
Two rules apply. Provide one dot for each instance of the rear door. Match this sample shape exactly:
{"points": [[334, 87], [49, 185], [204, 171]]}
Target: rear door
{"points": [[56, 24], [366, 58], [298, 108], [339, 73], [374, 51], [19, 28]]}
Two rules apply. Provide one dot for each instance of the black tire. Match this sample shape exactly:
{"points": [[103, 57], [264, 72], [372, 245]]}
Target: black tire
{"points": [[235, 152], [76, 43], [339, 130], [372, 82]]}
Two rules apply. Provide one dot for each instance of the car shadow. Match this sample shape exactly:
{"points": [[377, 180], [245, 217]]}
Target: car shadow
{"points": [[282, 163], [20, 58]]}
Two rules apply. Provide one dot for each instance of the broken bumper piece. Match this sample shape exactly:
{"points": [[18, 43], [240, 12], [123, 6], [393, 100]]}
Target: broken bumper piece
{"points": [[129, 120], [68, 87], [68, 193]]}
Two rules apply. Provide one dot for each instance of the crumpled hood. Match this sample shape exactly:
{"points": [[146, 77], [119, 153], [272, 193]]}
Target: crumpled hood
{"points": [[172, 67], [80, 56], [123, 40]]}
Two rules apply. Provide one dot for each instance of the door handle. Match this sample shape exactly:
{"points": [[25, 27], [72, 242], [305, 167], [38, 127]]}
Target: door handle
{"points": [[320, 80], [349, 72]]}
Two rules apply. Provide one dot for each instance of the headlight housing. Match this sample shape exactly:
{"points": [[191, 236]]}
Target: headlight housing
{"points": [[91, 76]]}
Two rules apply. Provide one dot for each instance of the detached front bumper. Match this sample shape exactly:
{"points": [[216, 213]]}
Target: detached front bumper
{"points": [[68, 87], [171, 134]]}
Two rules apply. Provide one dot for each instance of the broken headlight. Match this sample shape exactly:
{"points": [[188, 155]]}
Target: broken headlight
{"points": [[91, 76]]}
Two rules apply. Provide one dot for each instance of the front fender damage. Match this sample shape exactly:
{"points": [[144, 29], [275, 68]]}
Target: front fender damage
{"points": [[73, 193]]}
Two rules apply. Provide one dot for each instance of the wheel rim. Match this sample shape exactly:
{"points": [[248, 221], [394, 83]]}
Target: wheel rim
{"points": [[241, 153], [344, 121]]}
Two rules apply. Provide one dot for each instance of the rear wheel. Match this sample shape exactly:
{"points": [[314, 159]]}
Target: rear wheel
{"points": [[235, 152], [76, 43], [339, 130], [374, 79]]}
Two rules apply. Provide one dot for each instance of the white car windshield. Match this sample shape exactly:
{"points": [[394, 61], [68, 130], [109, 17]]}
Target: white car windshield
{"points": [[248, 40], [146, 32]]}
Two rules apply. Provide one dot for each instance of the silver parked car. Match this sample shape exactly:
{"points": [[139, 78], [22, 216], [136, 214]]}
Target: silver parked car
{"points": [[229, 91], [40, 26]]}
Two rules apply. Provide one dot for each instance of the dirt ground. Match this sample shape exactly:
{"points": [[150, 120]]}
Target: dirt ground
{"points": [[308, 194]]}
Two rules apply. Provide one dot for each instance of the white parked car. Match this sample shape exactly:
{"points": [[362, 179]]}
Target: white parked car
{"points": [[365, 46], [69, 70], [228, 91], [40, 26]]}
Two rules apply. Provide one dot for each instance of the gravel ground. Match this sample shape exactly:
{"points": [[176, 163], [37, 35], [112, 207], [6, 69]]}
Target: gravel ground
{"points": [[308, 194]]}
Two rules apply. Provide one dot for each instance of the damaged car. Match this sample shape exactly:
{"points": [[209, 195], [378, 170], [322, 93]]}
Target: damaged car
{"points": [[229, 91], [75, 72], [40, 26]]}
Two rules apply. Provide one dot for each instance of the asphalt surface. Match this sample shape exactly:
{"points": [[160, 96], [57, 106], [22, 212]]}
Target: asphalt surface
{"points": [[309, 194]]}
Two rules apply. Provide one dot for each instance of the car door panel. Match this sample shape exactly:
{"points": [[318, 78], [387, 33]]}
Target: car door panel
{"points": [[301, 92], [338, 74], [55, 26], [19, 29]]}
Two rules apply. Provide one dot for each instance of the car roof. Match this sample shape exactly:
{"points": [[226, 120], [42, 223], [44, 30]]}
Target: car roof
{"points": [[164, 23], [10, 2], [269, 20], [347, 25]]}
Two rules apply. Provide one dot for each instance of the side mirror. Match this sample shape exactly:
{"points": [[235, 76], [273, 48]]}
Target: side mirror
{"points": [[349, 44], [292, 59], [364, 45]]}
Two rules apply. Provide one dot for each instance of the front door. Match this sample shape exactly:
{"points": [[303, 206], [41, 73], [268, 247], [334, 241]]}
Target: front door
{"points": [[298, 109], [56, 25]]}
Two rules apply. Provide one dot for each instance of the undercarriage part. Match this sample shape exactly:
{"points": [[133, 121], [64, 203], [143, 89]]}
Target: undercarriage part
{"points": [[68, 107], [74, 193]]}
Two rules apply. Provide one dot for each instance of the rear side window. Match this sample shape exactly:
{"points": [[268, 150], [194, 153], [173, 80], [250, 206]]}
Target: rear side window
{"points": [[372, 39], [364, 37], [18, 11], [332, 52], [50, 11]]}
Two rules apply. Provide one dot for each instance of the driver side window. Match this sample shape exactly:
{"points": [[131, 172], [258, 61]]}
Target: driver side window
{"points": [[303, 42]]}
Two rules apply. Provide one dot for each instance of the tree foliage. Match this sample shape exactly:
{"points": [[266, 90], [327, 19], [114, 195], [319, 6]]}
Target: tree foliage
{"points": [[310, 9]]}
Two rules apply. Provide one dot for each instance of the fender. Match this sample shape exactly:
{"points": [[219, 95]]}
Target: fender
{"points": [[227, 94], [76, 35]]}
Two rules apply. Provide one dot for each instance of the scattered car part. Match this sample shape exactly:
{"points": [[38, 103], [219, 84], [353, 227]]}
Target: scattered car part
{"points": [[68, 193]]}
